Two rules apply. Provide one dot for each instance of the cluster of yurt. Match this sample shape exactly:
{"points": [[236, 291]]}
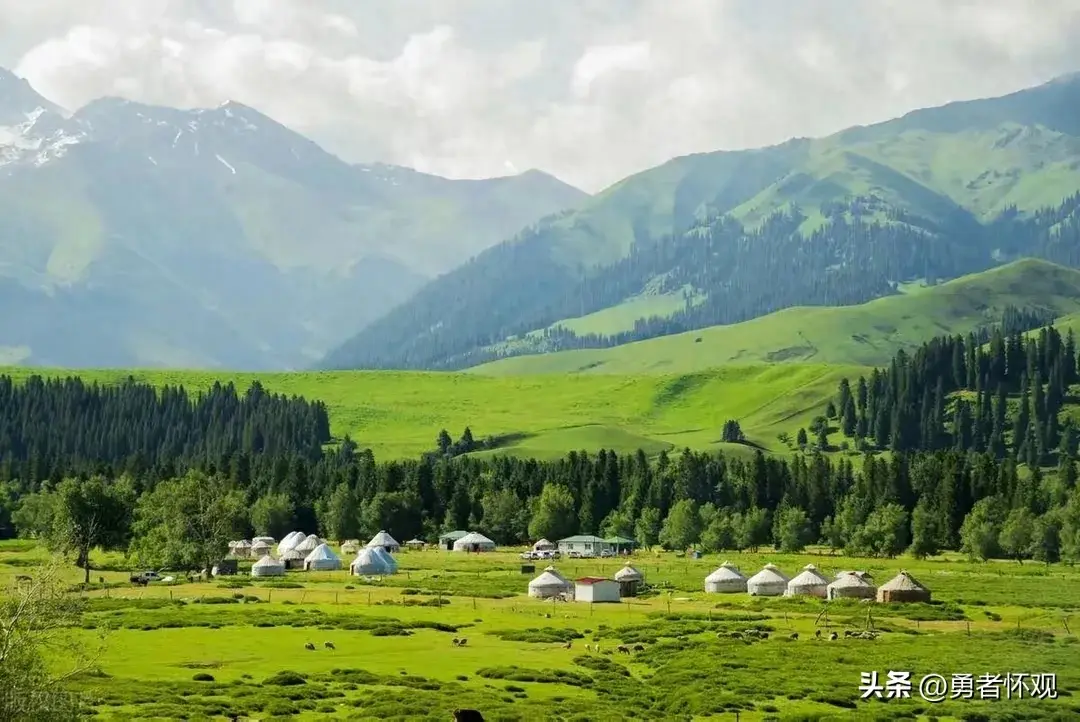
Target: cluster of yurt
{"points": [[385, 541], [474, 542], [726, 579], [373, 562], [550, 584]]}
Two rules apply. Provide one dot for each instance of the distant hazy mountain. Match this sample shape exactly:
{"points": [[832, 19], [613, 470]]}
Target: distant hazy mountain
{"points": [[718, 238], [141, 235]]}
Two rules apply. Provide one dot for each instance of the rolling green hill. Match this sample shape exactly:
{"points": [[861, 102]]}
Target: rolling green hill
{"points": [[869, 334], [400, 414], [936, 194], [151, 236]]}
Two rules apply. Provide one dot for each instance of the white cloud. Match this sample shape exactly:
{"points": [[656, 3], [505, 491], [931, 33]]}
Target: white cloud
{"points": [[590, 90]]}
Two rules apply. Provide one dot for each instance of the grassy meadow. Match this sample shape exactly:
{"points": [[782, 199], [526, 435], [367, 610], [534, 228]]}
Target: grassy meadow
{"points": [[399, 414], [236, 646], [869, 334]]}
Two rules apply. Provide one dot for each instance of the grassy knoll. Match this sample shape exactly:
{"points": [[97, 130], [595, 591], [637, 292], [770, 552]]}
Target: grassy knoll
{"points": [[394, 658], [869, 334], [399, 414]]}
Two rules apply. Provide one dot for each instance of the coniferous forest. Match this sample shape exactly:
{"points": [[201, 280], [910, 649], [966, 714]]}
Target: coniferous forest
{"points": [[968, 426]]}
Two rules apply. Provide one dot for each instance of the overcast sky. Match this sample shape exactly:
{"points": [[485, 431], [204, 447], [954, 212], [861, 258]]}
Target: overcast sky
{"points": [[590, 90]]}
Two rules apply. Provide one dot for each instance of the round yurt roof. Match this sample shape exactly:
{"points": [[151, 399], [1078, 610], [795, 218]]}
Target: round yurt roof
{"points": [[542, 543], [725, 571], [382, 539], [549, 579], [849, 580], [809, 576], [553, 570], [308, 544], [291, 554], [264, 540], [903, 582], [769, 573], [414, 542], [370, 562], [473, 538], [628, 574], [350, 545], [267, 562], [291, 540], [242, 544], [323, 552]]}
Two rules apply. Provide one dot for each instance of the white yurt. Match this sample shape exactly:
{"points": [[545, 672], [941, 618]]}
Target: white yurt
{"points": [[474, 542], [543, 546], [259, 549], [851, 585], [267, 567], [350, 546], [322, 559], [292, 559], [241, 548], [291, 540], [769, 582], [809, 582], [415, 544], [727, 579], [384, 540], [371, 563], [549, 584], [267, 540], [308, 544], [630, 580]]}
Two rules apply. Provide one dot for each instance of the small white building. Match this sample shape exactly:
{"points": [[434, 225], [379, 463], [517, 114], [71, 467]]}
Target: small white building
{"points": [[474, 542], [807, 583], [596, 589], [543, 545], [727, 579], [267, 567], [584, 545], [630, 580], [769, 582], [549, 584], [384, 540]]}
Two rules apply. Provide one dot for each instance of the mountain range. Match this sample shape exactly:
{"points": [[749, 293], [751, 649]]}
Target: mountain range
{"points": [[720, 238], [135, 235]]}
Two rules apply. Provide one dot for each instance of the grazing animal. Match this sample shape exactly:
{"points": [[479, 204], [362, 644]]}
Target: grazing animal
{"points": [[568, 644], [793, 635], [833, 637], [456, 640], [329, 645], [588, 647], [736, 635], [468, 715], [310, 646], [462, 641], [623, 648], [848, 633], [639, 648], [763, 635], [547, 616], [818, 634]]}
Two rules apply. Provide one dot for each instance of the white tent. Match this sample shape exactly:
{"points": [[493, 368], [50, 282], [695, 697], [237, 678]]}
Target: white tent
{"points": [[267, 567], [308, 544], [808, 582], [543, 546], [322, 558], [549, 584], [290, 541], [241, 548], [268, 540], [629, 574], [372, 562], [474, 542], [384, 540], [725, 580], [350, 546], [259, 549], [416, 544], [769, 582], [851, 585]]}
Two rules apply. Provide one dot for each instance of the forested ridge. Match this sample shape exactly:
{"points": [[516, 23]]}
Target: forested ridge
{"points": [[230, 483], [860, 252]]}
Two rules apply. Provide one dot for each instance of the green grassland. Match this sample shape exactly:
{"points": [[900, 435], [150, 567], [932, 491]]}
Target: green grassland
{"points": [[399, 414], [869, 334], [617, 319], [393, 656]]}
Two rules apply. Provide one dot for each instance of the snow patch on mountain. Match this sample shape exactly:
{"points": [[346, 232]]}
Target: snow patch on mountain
{"points": [[226, 164]]}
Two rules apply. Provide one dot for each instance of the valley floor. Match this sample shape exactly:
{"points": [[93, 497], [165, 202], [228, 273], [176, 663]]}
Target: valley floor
{"points": [[393, 656]]}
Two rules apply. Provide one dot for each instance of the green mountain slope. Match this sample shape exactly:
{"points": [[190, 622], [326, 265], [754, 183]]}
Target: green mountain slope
{"points": [[839, 220], [140, 235], [869, 334]]}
